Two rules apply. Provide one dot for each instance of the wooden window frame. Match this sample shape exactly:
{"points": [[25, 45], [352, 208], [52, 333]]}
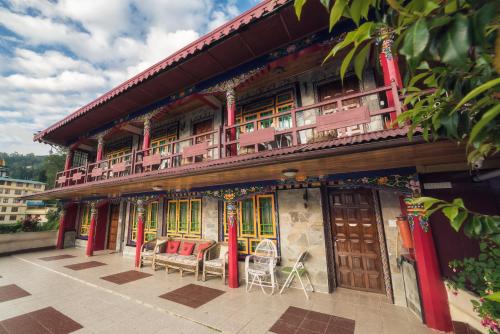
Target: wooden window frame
{"points": [[240, 217], [271, 236], [188, 232], [132, 239], [85, 220], [117, 155], [198, 231], [155, 143]]}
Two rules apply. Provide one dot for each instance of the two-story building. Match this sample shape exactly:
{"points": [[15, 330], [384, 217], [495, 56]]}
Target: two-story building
{"points": [[247, 122]]}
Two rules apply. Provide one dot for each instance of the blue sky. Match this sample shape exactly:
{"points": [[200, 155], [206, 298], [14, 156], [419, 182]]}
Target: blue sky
{"points": [[56, 56]]}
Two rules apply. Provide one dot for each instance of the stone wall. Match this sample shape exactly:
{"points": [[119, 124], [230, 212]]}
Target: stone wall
{"points": [[301, 229], [210, 218], [16, 242], [390, 206]]}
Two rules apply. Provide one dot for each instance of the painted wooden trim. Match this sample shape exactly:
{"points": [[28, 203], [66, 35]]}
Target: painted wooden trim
{"points": [[273, 216], [240, 217]]}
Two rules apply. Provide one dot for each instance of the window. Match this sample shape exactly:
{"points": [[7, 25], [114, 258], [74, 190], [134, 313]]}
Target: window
{"points": [[6, 200], [17, 192], [85, 220], [184, 217], [4, 209], [2, 217], [150, 222], [17, 200], [80, 158], [38, 186], [160, 145], [14, 209], [1, 191], [7, 191], [119, 156], [257, 221], [13, 217]]}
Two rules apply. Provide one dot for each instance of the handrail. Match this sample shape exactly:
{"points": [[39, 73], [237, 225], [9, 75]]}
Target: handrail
{"points": [[224, 140]]}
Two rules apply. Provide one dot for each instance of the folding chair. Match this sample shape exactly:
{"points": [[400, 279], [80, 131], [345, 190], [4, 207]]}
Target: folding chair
{"points": [[298, 270]]}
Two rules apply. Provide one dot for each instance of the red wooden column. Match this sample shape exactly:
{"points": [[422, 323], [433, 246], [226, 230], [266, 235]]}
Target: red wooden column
{"points": [[62, 227], [146, 136], [69, 159], [90, 237], [231, 117], [390, 68], [232, 244], [140, 232], [100, 148], [434, 297]]}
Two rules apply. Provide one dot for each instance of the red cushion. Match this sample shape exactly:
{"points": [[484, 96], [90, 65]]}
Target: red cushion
{"points": [[173, 246], [187, 248], [202, 247]]}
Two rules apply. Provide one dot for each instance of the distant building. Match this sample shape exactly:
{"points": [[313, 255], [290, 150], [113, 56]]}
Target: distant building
{"points": [[3, 169], [12, 207]]}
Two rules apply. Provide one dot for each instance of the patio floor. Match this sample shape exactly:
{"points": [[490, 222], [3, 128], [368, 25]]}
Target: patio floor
{"points": [[139, 304]]}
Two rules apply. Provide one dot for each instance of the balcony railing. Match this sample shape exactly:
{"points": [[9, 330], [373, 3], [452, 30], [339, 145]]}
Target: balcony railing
{"points": [[340, 117]]}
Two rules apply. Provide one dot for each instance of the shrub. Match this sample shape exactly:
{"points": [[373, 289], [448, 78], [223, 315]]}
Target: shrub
{"points": [[29, 224], [10, 228]]}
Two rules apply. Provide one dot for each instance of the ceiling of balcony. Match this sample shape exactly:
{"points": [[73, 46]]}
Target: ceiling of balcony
{"points": [[257, 32]]}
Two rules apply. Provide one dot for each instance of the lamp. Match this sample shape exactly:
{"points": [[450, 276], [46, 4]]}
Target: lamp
{"points": [[289, 173]]}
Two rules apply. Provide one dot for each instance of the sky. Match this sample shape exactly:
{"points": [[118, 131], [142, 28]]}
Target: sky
{"points": [[56, 56]]}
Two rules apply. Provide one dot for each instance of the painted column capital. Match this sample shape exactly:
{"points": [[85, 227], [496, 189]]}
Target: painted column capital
{"points": [[386, 36], [147, 124], [93, 208], [231, 212], [140, 207], [230, 96], [100, 140]]}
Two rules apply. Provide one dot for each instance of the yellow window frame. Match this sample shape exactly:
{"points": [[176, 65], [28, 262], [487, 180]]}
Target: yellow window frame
{"points": [[179, 216], [151, 231], [169, 214], [198, 230], [155, 143], [117, 156], [273, 216], [240, 218], [85, 221]]}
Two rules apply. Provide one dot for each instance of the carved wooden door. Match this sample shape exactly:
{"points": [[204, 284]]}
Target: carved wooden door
{"points": [[113, 227], [356, 244]]}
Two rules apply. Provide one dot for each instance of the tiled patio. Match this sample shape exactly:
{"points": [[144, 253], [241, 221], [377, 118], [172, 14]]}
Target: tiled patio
{"points": [[103, 306]]}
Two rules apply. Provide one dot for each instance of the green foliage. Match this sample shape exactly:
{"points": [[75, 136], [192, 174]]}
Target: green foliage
{"points": [[30, 224], [10, 228], [482, 276], [52, 222], [35, 168], [451, 50]]}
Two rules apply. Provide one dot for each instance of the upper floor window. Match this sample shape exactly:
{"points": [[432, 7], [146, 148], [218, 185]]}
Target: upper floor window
{"points": [[150, 222], [7, 191], [4, 209], [119, 155], [6, 200], [161, 145], [184, 217], [14, 209], [12, 217], [80, 158], [2, 217], [18, 192], [257, 221], [276, 104]]}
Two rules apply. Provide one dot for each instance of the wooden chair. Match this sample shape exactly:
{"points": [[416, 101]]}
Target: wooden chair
{"points": [[262, 270], [215, 261], [297, 271]]}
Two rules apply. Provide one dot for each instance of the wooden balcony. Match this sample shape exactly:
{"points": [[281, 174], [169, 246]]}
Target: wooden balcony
{"points": [[341, 117]]}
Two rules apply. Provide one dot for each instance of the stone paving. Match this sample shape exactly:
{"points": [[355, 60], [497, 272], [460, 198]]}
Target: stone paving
{"points": [[101, 306]]}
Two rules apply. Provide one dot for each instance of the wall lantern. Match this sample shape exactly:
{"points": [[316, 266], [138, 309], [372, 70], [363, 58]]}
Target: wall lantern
{"points": [[289, 173]]}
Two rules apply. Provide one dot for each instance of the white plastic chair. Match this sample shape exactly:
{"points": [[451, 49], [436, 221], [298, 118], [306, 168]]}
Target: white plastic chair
{"points": [[262, 271], [298, 270]]}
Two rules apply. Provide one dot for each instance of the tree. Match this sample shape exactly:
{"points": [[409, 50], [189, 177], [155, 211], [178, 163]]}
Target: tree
{"points": [[451, 50], [53, 164]]}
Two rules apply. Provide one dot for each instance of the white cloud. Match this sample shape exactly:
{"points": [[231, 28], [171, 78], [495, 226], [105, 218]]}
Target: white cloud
{"points": [[61, 55]]}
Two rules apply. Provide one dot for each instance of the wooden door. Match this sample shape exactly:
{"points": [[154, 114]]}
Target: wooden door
{"points": [[113, 227], [358, 262]]}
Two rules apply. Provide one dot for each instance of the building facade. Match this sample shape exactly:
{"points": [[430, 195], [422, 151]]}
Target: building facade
{"points": [[247, 135], [12, 207]]}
